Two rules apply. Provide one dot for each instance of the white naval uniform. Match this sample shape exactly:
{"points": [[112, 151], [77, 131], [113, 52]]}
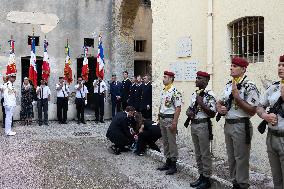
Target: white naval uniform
{"points": [[9, 104]]}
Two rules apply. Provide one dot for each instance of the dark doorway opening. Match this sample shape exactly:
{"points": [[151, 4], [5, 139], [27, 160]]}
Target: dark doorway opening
{"points": [[92, 62], [142, 67], [25, 65]]}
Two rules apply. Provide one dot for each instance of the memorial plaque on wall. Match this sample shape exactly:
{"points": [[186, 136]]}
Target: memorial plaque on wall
{"points": [[184, 47], [184, 71]]}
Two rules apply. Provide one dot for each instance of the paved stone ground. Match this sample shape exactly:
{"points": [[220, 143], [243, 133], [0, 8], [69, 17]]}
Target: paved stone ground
{"points": [[52, 157]]}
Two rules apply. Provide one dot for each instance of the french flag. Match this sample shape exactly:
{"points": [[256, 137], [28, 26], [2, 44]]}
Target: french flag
{"points": [[100, 59], [85, 68], [32, 69], [45, 64]]}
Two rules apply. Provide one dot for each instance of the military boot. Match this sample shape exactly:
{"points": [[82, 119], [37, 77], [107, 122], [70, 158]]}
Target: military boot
{"points": [[204, 184], [197, 182], [172, 168]]}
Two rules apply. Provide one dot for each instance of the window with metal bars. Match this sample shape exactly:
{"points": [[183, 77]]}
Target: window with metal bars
{"points": [[247, 38], [139, 45]]}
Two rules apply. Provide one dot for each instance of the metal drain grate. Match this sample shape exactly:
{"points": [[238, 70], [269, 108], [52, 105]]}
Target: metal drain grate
{"points": [[82, 133]]}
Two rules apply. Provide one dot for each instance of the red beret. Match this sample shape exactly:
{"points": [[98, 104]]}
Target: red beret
{"points": [[203, 74], [169, 73], [281, 59], [240, 62]]}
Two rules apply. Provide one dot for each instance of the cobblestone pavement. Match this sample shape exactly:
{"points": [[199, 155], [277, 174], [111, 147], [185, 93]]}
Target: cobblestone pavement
{"points": [[58, 156]]}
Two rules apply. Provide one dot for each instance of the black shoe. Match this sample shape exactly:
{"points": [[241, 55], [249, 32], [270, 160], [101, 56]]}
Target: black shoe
{"points": [[236, 186], [96, 120], [64, 122], [102, 121], [116, 150], [197, 182], [205, 183], [84, 122], [172, 169], [78, 122], [165, 166]]}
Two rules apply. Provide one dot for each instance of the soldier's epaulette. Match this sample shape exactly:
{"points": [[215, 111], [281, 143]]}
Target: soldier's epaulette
{"points": [[276, 83]]}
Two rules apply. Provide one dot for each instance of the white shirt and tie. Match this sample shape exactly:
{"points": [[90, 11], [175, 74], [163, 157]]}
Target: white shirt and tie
{"points": [[44, 92], [62, 90], [81, 93], [99, 86]]}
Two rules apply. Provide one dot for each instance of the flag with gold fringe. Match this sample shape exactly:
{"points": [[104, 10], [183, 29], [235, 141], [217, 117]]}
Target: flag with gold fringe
{"points": [[67, 68]]}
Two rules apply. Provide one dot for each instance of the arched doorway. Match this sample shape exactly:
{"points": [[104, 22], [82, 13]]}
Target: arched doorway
{"points": [[126, 54]]}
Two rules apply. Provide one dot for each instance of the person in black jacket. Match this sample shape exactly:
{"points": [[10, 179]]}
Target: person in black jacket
{"points": [[148, 133], [125, 87], [119, 130], [146, 98], [115, 89], [131, 98]]}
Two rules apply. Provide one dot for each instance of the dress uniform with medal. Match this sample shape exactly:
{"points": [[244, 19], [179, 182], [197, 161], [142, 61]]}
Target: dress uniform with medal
{"points": [[201, 109], [238, 104], [169, 111]]}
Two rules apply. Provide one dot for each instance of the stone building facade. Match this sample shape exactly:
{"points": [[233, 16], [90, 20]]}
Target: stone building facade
{"points": [[75, 21]]}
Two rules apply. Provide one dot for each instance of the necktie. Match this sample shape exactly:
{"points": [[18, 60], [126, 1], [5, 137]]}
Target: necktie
{"points": [[99, 90], [42, 93]]}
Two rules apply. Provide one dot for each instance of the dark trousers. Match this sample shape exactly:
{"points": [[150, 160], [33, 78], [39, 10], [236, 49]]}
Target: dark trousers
{"points": [[42, 106], [148, 137], [124, 104], [99, 106], [80, 106], [62, 108], [147, 114], [115, 105]]}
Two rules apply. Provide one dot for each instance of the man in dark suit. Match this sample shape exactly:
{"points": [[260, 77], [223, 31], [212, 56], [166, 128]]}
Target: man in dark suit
{"points": [[126, 83], [119, 130], [146, 98], [115, 89], [132, 89]]}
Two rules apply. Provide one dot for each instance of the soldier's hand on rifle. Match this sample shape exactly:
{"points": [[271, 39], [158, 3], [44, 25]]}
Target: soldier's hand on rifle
{"points": [[270, 118], [221, 109], [235, 91], [190, 113], [199, 100]]}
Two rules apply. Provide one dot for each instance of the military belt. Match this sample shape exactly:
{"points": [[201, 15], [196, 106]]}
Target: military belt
{"points": [[163, 116], [244, 120], [277, 133], [198, 121], [235, 121]]}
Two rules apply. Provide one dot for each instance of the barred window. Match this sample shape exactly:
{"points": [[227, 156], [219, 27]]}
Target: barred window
{"points": [[247, 38], [139, 45]]}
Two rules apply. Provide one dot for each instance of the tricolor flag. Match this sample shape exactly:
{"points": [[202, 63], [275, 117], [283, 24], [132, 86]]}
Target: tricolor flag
{"points": [[45, 64], [11, 66], [67, 68], [32, 69], [85, 68], [100, 59]]}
